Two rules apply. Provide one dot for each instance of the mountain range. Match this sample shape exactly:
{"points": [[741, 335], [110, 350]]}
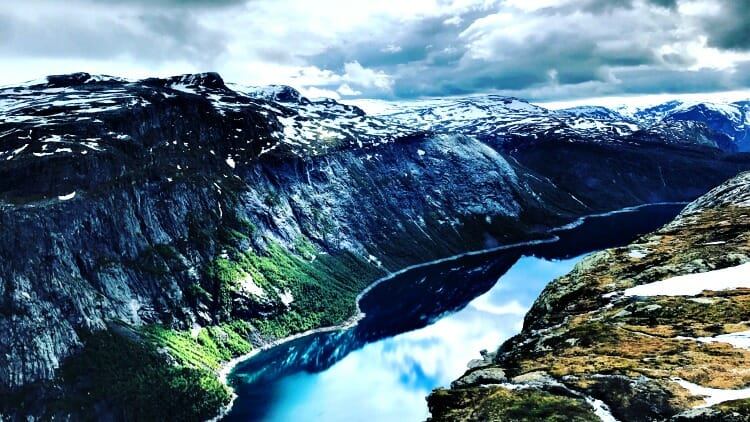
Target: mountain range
{"points": [[185, 220]]}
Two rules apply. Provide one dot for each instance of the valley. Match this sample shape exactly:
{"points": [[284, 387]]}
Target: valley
{"points": [[154, 229]]}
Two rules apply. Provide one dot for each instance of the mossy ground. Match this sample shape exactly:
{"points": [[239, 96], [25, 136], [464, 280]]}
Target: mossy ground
{"points": [[501, 404], [581, 336]]}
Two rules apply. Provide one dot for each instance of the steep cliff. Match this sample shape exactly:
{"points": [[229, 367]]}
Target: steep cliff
{"points": [[656, 330]]}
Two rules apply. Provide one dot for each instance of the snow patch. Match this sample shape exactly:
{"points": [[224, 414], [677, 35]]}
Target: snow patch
{"points": [[230, 162], [195, 331], [638, 254], [740, 340], [693, 284], [67, 197], [712, 396], [286, 297], [601, 409]]}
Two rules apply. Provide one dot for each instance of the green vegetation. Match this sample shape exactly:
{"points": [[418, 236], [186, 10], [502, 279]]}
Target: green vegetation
{"points": [[304, 248], [158, 373], [224, 275], [131, 377], [324, 287], [324, 290], [212, 345]]}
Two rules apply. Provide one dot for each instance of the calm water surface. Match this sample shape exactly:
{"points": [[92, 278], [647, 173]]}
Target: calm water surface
{"points": [[421, 329]]}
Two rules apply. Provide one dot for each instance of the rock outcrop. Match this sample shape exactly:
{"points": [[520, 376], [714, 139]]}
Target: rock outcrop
{"points": [[656, 330]]}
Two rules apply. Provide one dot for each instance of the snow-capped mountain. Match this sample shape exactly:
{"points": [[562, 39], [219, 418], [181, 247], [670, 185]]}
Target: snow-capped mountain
{"points": [[684, 132], [729, 119], [300, 127], [513, 122], [506, 119], [594, 112]]}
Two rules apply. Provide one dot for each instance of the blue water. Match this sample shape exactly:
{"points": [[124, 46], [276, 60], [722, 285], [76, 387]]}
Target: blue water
{"points": [[420, 330], [389, 379]]}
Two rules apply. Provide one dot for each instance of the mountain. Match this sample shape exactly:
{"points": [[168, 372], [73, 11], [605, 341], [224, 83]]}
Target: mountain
{"points": [[656, 330], [153, 229], [594, 112], [671, 131], [730, 120], [497, 118]]}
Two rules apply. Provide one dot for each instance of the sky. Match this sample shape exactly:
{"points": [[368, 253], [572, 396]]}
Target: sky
{"points": [[548, 51]]}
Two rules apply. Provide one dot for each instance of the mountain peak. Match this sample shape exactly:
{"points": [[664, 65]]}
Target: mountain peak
{"points": [[276, 93], [76, 79], [210, 80]]}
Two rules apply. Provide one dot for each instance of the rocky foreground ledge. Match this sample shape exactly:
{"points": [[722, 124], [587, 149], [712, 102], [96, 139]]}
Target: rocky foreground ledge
{"points": [[656, 330]]}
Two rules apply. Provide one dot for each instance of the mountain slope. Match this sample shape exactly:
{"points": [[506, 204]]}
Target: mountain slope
{"points": [[651, 331]]}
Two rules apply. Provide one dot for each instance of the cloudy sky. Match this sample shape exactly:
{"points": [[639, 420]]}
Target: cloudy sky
{"points": [[542, 50]]}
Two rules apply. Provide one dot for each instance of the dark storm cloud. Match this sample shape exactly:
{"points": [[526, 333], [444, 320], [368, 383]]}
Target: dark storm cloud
{"points": [[429, 39], [179, 34], [731, 29], [400, 49], [614, 46], [434, 58], [608, 6]]}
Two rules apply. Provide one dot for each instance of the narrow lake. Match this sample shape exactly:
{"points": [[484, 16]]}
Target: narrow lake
{"points": [[420, 330]]}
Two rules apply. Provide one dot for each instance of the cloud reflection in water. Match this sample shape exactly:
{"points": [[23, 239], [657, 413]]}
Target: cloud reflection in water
{"points": [[388, 380]]}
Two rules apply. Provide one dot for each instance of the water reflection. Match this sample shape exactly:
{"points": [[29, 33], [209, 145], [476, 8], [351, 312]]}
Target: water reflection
{"points": [[447, 312]]}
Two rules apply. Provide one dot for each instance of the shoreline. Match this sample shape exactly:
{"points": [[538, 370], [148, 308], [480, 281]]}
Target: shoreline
{"points": [[227, 367]]}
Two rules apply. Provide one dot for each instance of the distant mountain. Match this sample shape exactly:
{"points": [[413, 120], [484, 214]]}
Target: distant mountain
{"points": [[594, 112], [729, 119], [510, 123], [732, 120], [672, 131], [506, 120]]}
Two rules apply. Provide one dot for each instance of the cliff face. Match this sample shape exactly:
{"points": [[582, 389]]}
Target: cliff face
{"points": [[655, 330], [190, 216]]}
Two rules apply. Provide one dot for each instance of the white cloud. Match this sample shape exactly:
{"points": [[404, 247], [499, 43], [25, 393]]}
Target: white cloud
{"points": [[345, 89], [357, 74], [391, 48], [348, 48], [313, 92], [455, 21]]}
